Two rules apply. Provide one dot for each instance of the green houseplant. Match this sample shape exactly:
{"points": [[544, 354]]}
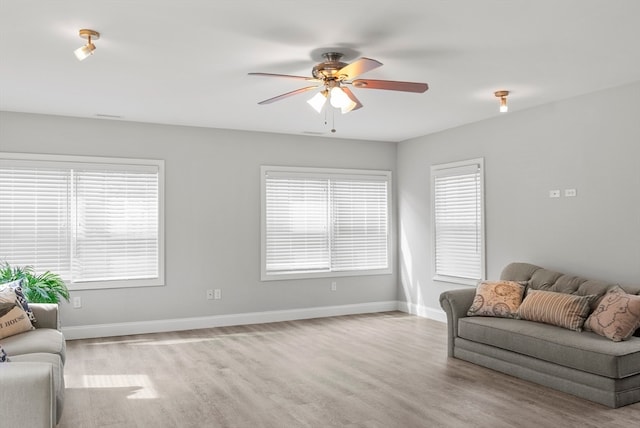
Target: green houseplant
{"points": [[46, 287]]}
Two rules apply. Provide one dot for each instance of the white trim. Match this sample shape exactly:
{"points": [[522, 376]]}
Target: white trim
{"points": [[457, 280], [455, 168], [177, 324], [99, 162], [423, 311], [288, 171]]}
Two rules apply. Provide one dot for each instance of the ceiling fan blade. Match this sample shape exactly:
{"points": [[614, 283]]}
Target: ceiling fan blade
{"points": [[358, 67], [289, 76], [288, 94], [391, 85], [353, 98]]}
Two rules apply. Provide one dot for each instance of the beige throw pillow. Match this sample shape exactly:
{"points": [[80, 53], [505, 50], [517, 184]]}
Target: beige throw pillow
{"points": [[497, 299], [13, 322], [617, 315], [8, 299], [561, 309]]}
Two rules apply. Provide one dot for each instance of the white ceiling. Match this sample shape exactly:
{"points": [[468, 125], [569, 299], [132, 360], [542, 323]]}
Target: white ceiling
{"points": [[186, 62]]}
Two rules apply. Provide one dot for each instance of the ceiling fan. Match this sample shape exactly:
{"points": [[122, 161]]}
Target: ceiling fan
{"points": [[332, 76]]}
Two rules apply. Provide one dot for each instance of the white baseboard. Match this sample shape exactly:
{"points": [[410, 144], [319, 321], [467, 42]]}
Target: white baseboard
{"points": [[423, 311], [158, 326]]}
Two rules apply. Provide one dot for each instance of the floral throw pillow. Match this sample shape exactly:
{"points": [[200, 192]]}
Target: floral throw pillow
{"points": [[617, 315], [497, 299]]}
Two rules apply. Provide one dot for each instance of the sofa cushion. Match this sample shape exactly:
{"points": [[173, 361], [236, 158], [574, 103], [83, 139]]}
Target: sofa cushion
{"points": [[497, 299], [564, 310], [14, 321], [39, 340], [58, 374], [584, 351], [617, 315]]}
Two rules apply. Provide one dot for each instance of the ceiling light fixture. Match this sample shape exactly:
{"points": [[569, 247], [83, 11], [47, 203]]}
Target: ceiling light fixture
{"points": [[86, 50], [318, 100], [338, 97], [503, 100]]}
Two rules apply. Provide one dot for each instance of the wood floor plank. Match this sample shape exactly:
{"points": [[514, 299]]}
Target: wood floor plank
{"points": [[362, 371]]}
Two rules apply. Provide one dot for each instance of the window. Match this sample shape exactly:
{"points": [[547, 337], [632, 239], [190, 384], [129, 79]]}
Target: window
{"points": [[98, 222], [458, 221], [324, 222]]}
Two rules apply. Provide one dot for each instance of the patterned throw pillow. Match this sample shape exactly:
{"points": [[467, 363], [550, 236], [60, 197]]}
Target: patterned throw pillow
{"points": [[617, 316], [8, 299], [16, 287], [3, 356], [561, 309], [13, 322], [497, 299]]}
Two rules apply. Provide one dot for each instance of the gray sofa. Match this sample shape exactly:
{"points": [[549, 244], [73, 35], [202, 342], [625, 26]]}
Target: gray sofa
{"points": [[32, 382], [584, 364]]}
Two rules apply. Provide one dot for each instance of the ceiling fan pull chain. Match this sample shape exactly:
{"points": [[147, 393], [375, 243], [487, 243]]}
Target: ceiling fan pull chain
{"points": [[333, 120]]}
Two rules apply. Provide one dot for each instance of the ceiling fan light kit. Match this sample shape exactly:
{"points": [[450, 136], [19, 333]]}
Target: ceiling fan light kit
{"points": [[332, 77], [318, 100], [85, 51], [503, 100]]}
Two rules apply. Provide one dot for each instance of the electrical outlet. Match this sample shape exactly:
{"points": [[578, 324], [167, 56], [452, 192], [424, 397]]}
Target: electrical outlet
{"points": [[77, 302], [554, 193], [334, 286], [209, 294], [570, 193], [217, 294]]}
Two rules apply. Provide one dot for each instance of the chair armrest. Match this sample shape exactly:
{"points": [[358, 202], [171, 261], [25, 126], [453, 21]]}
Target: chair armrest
{"points": [[46, 315], [27, 397], [455, 303]]}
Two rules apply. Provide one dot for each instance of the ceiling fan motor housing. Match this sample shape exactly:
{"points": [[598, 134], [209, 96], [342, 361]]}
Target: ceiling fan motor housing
{"points": [[327, 70]]}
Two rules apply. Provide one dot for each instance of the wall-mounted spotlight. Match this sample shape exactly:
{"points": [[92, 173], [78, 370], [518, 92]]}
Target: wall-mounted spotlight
{"points": [[86, 50], [503, 100]]}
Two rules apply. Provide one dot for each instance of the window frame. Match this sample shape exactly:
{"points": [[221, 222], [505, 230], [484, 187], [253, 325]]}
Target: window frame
{"points": [[67, 162], [435, 171], [314, 172]]}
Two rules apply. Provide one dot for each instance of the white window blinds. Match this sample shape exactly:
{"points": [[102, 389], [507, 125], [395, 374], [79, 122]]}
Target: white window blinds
{"points": [[360, 224], [297, 237], [116, 224], [318, 222], [91, 221], [458, 221], [35, 212]]}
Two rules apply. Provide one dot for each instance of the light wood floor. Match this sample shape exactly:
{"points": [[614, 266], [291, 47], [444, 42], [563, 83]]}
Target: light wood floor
{"points": [[376, 370]]}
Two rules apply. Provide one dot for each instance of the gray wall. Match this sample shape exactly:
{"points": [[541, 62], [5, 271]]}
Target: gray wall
{"points": [[212, 215], [590, 143]]}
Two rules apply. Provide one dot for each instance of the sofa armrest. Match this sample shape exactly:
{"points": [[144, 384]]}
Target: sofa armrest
{"points": [[455, 303], [27, 397], [46, 315]]}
